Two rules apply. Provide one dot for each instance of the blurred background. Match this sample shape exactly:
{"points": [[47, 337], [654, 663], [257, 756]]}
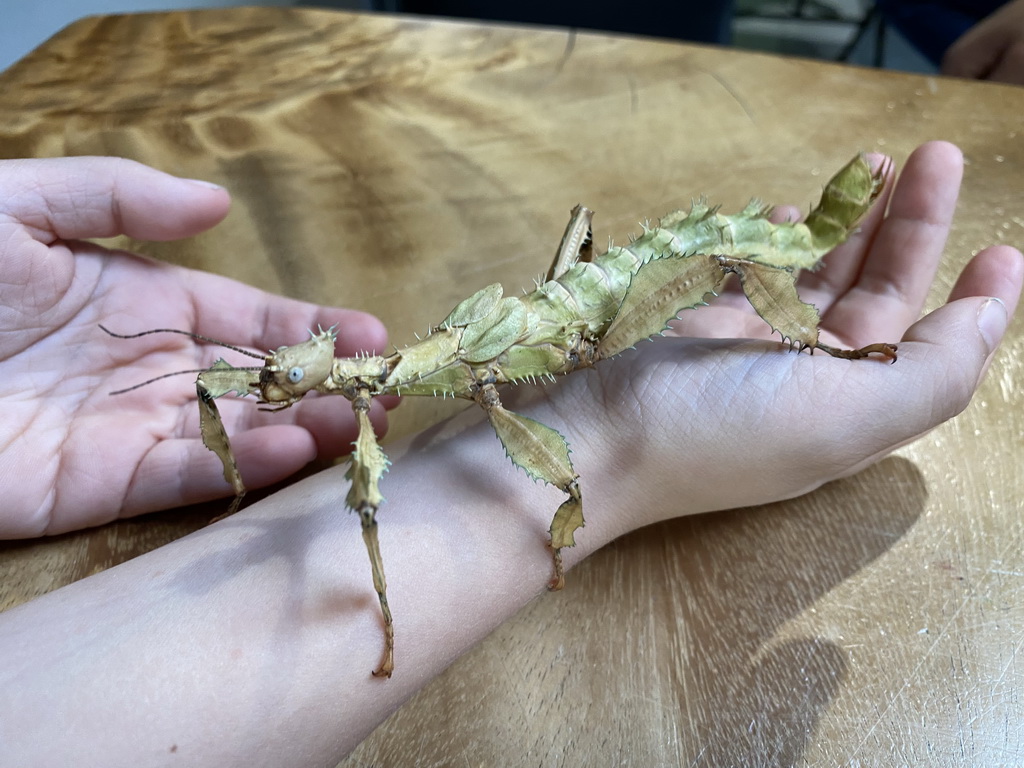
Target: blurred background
{"points": [[846, 30]]}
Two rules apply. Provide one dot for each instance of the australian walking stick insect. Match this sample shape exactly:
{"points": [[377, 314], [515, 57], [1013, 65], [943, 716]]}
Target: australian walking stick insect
{"points": [[588, 309]]}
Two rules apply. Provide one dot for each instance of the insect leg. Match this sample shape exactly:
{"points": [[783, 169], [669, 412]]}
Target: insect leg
{"points": [[577, 243], [368, 465], [215, 437], [660, 289], [882, 348], [772, 293], [544, 455]]}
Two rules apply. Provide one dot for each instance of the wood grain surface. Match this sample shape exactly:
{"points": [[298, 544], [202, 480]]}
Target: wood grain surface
{"points": [[395, 165]]}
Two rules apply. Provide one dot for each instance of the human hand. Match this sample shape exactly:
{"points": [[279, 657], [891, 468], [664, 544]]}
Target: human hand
{"points": [[993, 49], [72, 455], [691, 425]]}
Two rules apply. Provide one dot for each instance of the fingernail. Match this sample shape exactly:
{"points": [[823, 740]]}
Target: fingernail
{"points": [[877, 161], [202, 183], [992, 320]]}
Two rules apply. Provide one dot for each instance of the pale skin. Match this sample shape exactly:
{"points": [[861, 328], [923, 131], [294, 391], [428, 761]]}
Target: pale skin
{"points": [[993, 49], [251, 642], [81, 457]]}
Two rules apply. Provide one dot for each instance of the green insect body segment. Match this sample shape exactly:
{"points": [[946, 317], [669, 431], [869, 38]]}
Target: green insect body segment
{"points": [[588, 309]]}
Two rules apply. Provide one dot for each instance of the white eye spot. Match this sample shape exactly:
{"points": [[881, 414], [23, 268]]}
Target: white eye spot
{"points": [[295, 375]]}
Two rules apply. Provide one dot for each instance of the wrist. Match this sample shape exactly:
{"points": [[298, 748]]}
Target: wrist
{"points": [[631, 471]]}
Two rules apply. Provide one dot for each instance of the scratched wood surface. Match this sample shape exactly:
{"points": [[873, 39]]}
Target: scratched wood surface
{"points": [[397, 165]]}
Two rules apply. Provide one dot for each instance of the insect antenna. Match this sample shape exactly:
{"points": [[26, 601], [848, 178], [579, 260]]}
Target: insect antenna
{"points": [[196, 336], [179, 373], [155, 378]]}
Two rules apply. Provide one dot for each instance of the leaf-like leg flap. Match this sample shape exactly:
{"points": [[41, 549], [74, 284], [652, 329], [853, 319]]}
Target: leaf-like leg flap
{"points": [[568, 518], [215, 437], [659, 290], [368, 465], [543, 454], [577, 243], [771, 291]]}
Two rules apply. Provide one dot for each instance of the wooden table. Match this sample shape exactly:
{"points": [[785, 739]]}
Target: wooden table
{"points": [[395, 165]]}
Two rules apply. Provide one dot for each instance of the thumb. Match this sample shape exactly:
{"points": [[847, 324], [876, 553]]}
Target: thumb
{"points": [[944, 356], [86, 197], [949, 350]]}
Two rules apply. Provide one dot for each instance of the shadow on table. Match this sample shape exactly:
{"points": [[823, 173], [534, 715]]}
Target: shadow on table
{"points": [[670, 645], [744, 698]]}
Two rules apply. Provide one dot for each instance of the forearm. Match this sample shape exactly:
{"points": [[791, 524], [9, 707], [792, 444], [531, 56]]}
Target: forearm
{"points": [[251, 642]]}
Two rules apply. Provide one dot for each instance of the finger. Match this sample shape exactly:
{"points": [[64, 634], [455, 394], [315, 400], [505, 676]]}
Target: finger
{"points": [[179, 472], [996, 272], [969, 60], [957, 341], [977, 51], [240, 314], [1010, 66], [972, 324], [784, 213], [900, 265], [182, 471], [87, 197]]}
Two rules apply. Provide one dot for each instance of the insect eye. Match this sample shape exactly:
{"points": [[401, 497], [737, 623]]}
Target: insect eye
{"points": [[295, 375]]}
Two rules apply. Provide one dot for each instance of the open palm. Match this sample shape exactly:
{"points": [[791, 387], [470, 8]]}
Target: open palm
{"points": [[750, 424], [73, 455]]}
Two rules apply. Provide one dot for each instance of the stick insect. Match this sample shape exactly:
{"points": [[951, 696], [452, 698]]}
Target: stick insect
{"points": [[588, 308]]}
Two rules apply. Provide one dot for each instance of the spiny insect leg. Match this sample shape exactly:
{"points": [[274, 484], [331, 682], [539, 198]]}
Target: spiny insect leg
{"points": [[215, 437], [368, 465], [568, 517], [368, 518], [577, 243], [772, 292], [544, 455]]}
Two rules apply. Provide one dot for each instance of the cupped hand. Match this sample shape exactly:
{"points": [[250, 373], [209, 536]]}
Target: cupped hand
{"points": [[698, 424], [72, 455]]}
